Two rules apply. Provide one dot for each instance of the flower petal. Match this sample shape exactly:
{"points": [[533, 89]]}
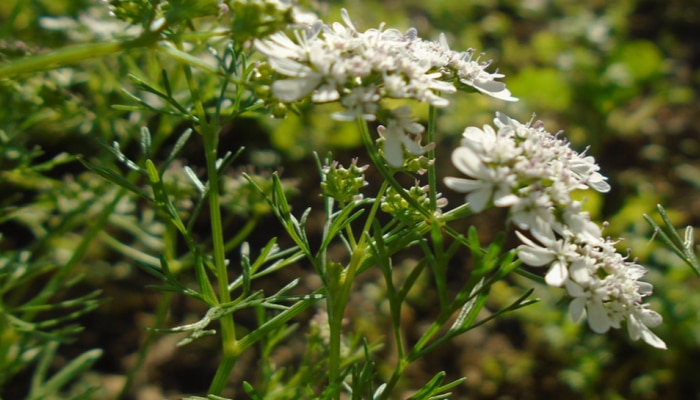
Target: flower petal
{"points": [[289, 90], [557, 274], [535, 256], [597, 317], [466, 161], [479, 198], [576, 308]]}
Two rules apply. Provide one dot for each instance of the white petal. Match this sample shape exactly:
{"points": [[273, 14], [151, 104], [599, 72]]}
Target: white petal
{"points": [[557, 274], [506, 201], [651, 318], [535, 256], [392, 150], [600, 186], [650, 338], [412, 145], [289, 90], [576, 308], [597, 317], [479, 198], [462, 185], [466, 161], [579, 273], [325, 94], [574, 289], [494, 89], [290, 67]]}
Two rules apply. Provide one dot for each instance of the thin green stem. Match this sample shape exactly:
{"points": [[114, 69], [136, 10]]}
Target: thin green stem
{"points": [[337, 301], [335, 324], [373, 211], [432, 169], [128, 251], [74, 54], [395, 376], [406, 360], [386, 174], [210, 136], [228, 332], [71, 55]]}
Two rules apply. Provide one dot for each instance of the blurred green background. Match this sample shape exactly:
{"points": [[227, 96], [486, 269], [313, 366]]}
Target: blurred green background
{"points": [[619, 78]]}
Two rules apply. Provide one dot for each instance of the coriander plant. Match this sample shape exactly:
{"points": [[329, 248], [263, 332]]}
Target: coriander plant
{"points": [[210, 63]]}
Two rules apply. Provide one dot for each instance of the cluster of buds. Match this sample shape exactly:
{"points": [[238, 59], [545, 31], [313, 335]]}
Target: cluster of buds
{"points": [[344, 184], [395, 205]]}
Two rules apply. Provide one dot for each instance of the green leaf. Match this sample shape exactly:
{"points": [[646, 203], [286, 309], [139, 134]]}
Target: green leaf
{"points": [[177, 148], [145, 141], [250, 391], [471, 308], [41, 389], [116, 179], [429, 389], [246, 267]]}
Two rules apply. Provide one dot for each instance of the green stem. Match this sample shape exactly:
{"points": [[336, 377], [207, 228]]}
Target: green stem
{"points": [[432, 169], [228, 332], [373, 212], [384, 171], [70, 55], [335, 324], [73, 55], [337, 301], [409, 358], [210, 136], [398, 372]]}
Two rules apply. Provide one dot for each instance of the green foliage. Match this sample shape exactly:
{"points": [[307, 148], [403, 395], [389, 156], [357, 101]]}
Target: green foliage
{"points": [[140, 96]]}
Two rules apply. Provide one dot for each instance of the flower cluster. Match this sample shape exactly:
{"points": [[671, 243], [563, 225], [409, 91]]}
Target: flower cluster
{"points": [[394, 204], [344, 184], [529, 170], [338, 63]]}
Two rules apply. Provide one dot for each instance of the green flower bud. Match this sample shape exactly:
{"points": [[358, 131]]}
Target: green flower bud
{"points": [[344, 184], [393, 203]]}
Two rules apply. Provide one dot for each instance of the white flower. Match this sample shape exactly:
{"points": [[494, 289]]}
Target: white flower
{"points": [[575, 222], [361, 101], [588, 294], [401, 124], [337, 62], [638, 324], [489, 183], [587, 170], [524, 167], [534, 212], [558, 254], [473, 73]]}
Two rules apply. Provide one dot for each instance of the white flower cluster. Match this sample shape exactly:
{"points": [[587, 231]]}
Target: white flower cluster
{"points": [[529, 170], [358, 69]]}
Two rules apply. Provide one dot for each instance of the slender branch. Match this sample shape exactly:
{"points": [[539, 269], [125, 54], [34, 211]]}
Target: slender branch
{"points": [[210, 135], [432, 169], [73, 55]]}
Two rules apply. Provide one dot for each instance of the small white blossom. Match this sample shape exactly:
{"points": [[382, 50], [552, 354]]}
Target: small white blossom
{"points": [[395, 133], [557, 254], [337, 62], [534, 173], [490, 184]]}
